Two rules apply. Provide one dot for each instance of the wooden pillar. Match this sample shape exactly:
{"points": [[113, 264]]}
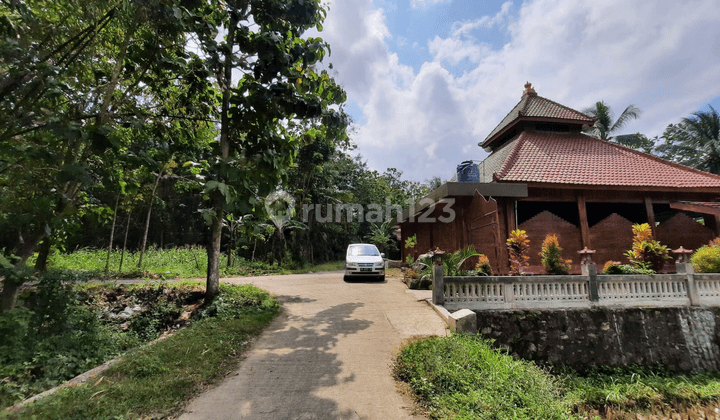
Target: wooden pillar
{"points": [[510, 214], [403, 236], [464, 236], [431, 227], [584, 227], [650, 213]]}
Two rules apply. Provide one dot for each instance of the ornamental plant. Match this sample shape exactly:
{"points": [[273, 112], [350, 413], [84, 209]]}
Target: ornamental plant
{"points": [[646, 252], [410, 244], [453, 261], [483, 266], [707, 258], [551, 257], [518, 245]]}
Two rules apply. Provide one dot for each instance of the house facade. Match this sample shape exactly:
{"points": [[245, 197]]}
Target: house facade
{"points": [[545, 176]]}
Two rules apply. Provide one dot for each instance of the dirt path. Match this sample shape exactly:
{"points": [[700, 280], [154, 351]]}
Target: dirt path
{"points": [[328, 356]]}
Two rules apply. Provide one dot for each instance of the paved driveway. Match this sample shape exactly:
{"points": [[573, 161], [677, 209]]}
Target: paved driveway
{"points": [[327, 356]]}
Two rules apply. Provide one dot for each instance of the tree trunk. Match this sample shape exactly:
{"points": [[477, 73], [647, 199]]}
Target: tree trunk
{"points": [[230, 246], [43, 253], [213, 251], [225, 82], [8, 296], [147, 219], [122, 255], [112, 237]]}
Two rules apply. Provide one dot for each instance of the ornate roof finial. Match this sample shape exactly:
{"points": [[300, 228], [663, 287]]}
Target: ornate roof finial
{"points": [[529, 89]]}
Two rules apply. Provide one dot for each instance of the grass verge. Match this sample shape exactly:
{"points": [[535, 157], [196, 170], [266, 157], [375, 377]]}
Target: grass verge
{"points": [[187, 262], [636, 389], [328, 266], [460, 377], [156, 380], [463, 377]]}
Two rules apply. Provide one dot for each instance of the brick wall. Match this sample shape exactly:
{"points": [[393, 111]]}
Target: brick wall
{"points": [[546, 223], [611, 237], [682, 230]]}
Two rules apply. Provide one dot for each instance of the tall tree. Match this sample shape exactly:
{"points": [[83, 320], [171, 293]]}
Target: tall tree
{"points": [[71, 75], [277, 84], [606, 126], [695, 141]]}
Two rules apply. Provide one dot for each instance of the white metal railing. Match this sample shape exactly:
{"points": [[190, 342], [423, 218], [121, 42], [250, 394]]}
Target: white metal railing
{"points": [[539, 292]]}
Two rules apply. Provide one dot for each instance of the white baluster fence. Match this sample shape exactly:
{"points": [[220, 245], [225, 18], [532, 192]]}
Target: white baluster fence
{"points": [[546, 292]]}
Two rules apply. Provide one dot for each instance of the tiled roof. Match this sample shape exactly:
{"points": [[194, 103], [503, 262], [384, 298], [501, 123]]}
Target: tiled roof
{"points": [[578, 159], [531, 105], [495, 161]]}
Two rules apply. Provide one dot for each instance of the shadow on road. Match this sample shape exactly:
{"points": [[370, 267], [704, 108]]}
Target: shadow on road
{"points": [[294, 360]]}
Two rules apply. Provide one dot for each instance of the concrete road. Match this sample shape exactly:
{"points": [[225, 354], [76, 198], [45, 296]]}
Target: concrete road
{"points": [[327, 356]]}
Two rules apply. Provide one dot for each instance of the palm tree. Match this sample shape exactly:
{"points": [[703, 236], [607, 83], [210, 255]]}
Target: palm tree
{"points": [[695, 141], [380, 235], [604, 127]]}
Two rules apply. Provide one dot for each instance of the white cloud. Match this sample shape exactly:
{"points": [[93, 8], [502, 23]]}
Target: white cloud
{"points": [[460, 28], [660, 56], [421, 4]]}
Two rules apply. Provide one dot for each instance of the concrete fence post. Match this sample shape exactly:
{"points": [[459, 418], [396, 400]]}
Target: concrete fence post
{"points": [[689, 271], [590, 270], [438, 285], [508, 292]]}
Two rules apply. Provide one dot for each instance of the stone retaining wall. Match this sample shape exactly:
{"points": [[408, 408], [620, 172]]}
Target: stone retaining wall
{"points": [[684, 339]]}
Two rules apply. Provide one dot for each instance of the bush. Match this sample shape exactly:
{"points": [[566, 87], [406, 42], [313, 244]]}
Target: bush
{"points": [[483, 266], [49, 342], [706, 259], [463, 377], [615, 267], [551, 258]]}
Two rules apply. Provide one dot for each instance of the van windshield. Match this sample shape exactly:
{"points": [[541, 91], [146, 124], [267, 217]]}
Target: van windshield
{"points": [[362, 250]]}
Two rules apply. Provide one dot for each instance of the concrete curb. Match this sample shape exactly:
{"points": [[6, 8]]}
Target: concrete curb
{"points": [[83, 377], [463, 320]]}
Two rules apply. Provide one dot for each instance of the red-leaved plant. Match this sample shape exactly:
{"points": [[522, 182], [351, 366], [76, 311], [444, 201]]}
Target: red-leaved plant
{"points": [[518, 245]]}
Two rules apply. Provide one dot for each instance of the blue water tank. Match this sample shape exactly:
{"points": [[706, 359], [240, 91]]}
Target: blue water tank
{"points": [[468, 172]]}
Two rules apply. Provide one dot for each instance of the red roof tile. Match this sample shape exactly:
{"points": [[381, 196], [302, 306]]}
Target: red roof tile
{"points": [[573, 158], [533, 106]]}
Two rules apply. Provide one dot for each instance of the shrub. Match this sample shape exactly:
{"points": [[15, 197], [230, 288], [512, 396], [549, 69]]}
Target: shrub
{"points": [[615, 267], [706, 259], [483, 266], [646, 252], [518, 244], [551, 258]]}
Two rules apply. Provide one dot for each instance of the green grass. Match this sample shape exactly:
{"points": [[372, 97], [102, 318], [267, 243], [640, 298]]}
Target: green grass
{"points": [[158, 379], [463, 377], [328, 266], [188, 262], [460, 377], [635, 388]]}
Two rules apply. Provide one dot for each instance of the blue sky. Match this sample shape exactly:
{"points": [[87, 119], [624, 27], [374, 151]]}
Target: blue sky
{"points": [[429, 79]]}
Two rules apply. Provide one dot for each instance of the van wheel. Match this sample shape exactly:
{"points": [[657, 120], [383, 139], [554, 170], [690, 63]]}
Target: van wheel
{"points": [[382, 278]]}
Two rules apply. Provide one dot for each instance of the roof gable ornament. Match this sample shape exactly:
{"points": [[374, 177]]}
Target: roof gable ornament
{"points": [[533, 108], [529, 90]]}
